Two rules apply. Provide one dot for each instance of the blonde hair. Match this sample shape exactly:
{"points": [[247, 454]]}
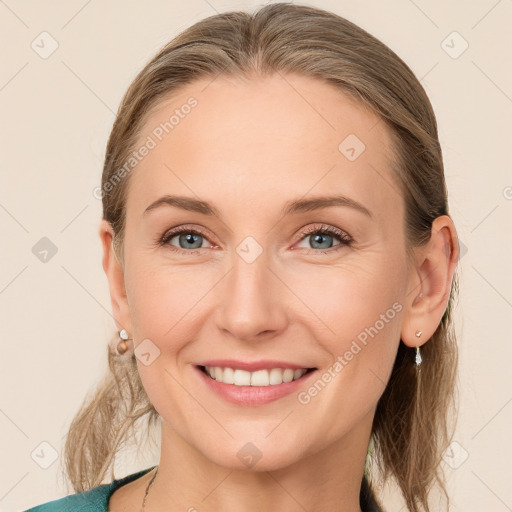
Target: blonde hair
{"points": [[411, 426]]}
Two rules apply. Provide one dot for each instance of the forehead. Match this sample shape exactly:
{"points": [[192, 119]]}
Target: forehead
{"points": [[262, 141]]}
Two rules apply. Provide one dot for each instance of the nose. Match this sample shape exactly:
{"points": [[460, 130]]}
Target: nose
{"points": [[252, 301]]}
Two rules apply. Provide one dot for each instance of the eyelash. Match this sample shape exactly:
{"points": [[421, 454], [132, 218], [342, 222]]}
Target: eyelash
{"points": [[343, 237]]}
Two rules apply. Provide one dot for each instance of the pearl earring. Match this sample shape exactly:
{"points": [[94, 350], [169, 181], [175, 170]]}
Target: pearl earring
{"points": [[122, 346]]}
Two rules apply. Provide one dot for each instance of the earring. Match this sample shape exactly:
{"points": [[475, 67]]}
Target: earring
{"points": [[417, 357], [122, 346]]}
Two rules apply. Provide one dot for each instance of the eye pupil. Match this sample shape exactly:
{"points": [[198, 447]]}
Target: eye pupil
{"points": [[318, 238], [190, 238]]}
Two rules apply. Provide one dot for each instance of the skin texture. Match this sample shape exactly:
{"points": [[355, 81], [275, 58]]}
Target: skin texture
{"points": [[248, 147]]}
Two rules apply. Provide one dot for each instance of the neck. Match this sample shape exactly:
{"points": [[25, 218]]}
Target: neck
{"points": [[329, 479]]}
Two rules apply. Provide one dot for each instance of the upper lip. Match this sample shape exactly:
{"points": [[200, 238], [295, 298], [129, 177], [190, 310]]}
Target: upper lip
{"points": [[252, 366]]}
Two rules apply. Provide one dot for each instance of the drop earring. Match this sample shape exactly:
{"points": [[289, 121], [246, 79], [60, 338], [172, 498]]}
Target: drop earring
{"points": [[417, 357]]}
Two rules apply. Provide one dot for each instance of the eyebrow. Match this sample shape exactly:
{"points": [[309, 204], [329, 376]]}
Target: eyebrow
{"points": [[291, 207]]}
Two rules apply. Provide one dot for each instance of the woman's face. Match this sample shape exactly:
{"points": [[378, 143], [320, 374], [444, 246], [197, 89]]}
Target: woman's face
{"points": [[259, 282]]}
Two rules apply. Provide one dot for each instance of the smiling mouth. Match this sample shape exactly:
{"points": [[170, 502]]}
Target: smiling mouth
{"points": [[238, 377]]}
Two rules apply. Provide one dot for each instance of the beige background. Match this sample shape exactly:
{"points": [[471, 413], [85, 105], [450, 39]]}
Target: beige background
{"points": [[56, 116]]}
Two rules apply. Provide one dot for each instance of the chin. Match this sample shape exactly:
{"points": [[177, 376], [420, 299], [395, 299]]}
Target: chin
{"points": [[254, 455]]}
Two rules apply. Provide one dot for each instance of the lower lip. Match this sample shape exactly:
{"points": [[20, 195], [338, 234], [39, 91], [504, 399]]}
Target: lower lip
{"points": [[253, 395]]}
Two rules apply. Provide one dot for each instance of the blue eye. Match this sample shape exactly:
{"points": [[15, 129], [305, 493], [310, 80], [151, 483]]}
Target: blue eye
{"points": [[319, 235], [190, 240], [187, 239]]}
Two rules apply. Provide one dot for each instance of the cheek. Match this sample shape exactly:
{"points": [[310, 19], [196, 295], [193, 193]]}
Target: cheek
{"points": [[164, 305], [354, 314], [164, 299], [348, 297], [357, 323]]}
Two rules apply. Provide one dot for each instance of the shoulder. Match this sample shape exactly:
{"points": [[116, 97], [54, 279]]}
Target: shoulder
{"points": [[93, 500]]}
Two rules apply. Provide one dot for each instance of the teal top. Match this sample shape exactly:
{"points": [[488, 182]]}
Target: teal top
{"points": [[93, 500], [96, 499]]}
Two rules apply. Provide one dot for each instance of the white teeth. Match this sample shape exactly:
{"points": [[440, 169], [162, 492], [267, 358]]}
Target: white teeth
{"points": [[258, 378], [288, 375], [276, 376], [242, 378], [297, 374], [228, 377]]}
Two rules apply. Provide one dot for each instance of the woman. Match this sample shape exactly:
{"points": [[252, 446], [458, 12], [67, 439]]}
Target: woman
{"points": [[281, 265]]}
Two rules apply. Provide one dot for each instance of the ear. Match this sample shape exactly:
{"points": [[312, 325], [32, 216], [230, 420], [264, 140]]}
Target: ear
{"points": [[115, 275], [430, 282]]}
